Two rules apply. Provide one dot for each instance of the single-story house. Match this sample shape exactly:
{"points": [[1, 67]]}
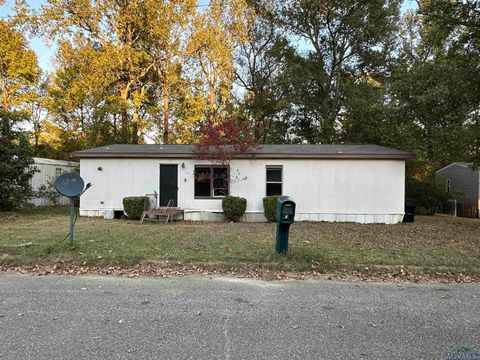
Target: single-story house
{"points": [[461, 177], [354, 183], [48, 171]]}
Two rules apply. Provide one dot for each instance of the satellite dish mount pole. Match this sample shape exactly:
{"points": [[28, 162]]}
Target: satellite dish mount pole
{"points": [[72, 218], [72, 186]]}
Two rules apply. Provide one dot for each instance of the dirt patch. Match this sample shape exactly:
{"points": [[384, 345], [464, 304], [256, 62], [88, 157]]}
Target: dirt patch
{"points": [[157, 269]]}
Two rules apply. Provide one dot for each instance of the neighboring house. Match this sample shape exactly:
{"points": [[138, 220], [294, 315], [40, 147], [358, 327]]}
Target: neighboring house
{"points": [[48, 171], [461, 177], [355, 183]]}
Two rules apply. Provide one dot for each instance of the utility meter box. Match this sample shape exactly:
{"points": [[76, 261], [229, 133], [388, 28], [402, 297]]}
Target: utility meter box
{"points": [[285, 217]]}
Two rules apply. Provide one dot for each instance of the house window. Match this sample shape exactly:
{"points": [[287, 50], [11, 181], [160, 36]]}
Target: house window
{"points": [[211, 181], [274, 180], [58, 172], [447, 185]]}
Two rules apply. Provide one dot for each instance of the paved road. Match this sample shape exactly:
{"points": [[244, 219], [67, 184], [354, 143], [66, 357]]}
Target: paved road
{"points": [[221, 318]]}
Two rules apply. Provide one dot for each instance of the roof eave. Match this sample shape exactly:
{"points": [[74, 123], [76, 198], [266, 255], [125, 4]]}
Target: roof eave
{"points": [[125, 155]]}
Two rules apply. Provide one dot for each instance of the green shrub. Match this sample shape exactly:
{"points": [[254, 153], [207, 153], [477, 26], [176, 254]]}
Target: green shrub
{"points": [[428, 194], [16, 163], [234, 207], [47, 191], [133, 206], [270, 208]]}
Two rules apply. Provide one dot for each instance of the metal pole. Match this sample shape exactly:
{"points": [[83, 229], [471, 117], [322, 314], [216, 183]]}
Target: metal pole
{"points": [[281, 244], [72, 217]]}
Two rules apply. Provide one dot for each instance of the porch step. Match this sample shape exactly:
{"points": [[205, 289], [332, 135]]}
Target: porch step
{"points": [[164, 211]]}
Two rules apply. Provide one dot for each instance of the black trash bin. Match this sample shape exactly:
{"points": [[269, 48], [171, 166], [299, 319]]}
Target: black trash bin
{"points": [[410, 205]]}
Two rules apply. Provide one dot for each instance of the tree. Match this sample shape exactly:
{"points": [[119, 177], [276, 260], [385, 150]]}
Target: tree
{"points": [[366, 117], [165, 36], [221, 139], [37, 112], [114, 31], [217, 31], [128, 59], [452, 22], [19, 71], [453, 28], [260, 66], [82, 102], [15, 163], [434, 97], [345, 41]]}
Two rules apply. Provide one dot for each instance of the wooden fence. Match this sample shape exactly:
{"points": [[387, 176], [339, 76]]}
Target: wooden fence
{"points": [[460, 209]]}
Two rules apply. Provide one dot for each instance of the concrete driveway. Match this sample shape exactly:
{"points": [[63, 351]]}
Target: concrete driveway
{"points": [[224, 318]]}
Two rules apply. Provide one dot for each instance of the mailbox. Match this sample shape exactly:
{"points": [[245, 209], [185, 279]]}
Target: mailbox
{"points": [[285, 217], [285, 210]]}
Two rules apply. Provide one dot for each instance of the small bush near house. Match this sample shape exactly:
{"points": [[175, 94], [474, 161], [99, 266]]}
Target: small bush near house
{"points": [[234, 207], [429, 195], [133, 206], [270, 208], [47, 191]]}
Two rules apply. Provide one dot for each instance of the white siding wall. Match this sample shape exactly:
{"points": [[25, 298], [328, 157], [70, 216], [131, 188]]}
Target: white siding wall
{"points": [[47, 172], [325, 190]]}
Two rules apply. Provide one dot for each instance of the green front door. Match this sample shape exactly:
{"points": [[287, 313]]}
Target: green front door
{"points": [[168, 184]]}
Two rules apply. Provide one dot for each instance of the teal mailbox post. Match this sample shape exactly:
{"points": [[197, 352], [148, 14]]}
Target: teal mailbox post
{"points": [[285, 217]]}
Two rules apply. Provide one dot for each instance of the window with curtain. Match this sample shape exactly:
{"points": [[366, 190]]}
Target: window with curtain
{"points": [[211, 181]]}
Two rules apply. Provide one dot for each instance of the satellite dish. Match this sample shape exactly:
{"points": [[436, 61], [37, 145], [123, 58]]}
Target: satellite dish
{"points": [[69, 184]]}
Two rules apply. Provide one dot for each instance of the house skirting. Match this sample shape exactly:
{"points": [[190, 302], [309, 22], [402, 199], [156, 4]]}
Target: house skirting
{"points": [[252, 216], [193, 215]]}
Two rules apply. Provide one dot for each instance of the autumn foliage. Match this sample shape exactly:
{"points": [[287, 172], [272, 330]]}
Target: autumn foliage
{"points": [[221, 139]]}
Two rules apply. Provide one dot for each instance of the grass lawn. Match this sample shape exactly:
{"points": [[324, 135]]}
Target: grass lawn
{"points": [[430, 245]]}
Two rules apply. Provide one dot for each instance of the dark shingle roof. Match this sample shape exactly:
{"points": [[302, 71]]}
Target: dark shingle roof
{"points": [[265, 151]]}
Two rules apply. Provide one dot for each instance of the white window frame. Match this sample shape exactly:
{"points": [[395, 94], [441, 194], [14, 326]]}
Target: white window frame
{"points": [[276, 167]]}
